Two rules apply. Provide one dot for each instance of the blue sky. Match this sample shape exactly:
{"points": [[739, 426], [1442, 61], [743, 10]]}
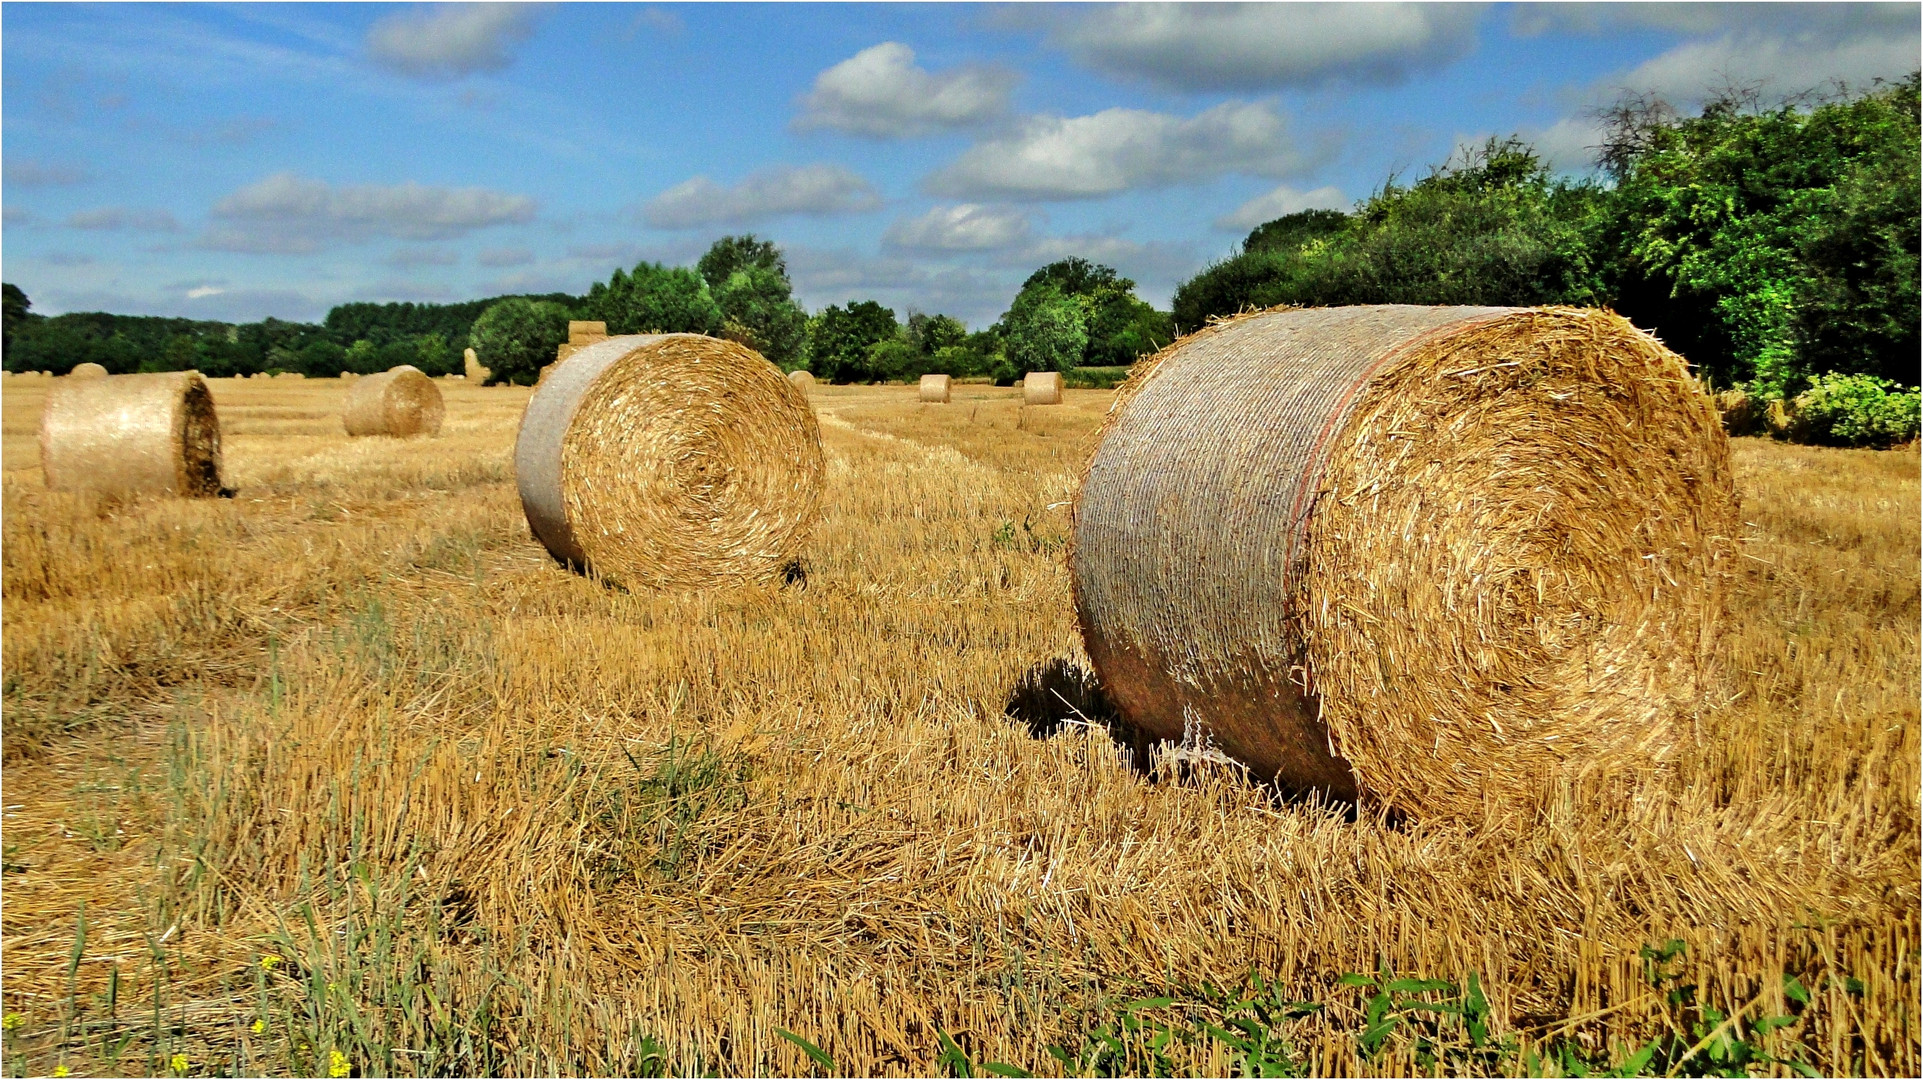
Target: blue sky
{"points": [[241, 161]]}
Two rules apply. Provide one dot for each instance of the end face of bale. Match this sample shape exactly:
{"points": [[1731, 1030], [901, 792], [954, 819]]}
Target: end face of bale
{"points": [[581, 332], [670, 461], [1436, 557], [934, 388], [132, 434], [399, 402], [1042, 388]]}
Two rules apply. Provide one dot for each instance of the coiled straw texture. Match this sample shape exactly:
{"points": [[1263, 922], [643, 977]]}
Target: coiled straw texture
{"points": [[670, 461], [934, 388], [1042, 388], [401, 401], [1431, 557], [132, 434]]}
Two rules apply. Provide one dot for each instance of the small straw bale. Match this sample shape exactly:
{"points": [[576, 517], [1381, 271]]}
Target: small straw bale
{"points": [[1042, 388], [1428, 557], [87, 371], [349, 376], [471, 367], [132, 434], [934, 388], [290, 375], [670, 461], [401, 401], [803, 380], [586, 333], [1742, 413]]}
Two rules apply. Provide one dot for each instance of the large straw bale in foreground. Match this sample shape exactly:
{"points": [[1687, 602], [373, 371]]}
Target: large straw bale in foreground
{"points": [[1432, 556], [400, 401], [88, 370], [934, 388], [670, 461], [1042, 388], [132, 434]]}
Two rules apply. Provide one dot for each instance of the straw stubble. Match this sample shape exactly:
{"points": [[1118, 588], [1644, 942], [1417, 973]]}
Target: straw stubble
{"points": [[670, 461], [1433, 556]]}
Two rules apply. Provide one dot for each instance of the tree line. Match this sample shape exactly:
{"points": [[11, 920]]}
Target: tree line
{"points": [[1776, 248]]}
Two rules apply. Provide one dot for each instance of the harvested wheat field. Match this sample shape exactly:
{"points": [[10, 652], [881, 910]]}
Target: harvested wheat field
{"points": [[345, 775]]}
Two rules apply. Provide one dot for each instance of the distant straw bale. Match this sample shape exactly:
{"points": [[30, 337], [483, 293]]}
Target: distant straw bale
{"points": [[132, 434], [803, 380], [471, 367], [1042, 388], [581, 332], [670, 461], [934, 388], [349, 376], [87, 371], [401, 401], [1429, 556], [1742, 413], [290, 375]]}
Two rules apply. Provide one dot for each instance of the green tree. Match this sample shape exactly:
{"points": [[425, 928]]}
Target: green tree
{"points": [[839, 339], [1117, 326], [515, 338], [732, 254], [15, 313], [654, 299], [758, 309], [322, 359], [930, 334], [1045, 329], [1769, 245]]}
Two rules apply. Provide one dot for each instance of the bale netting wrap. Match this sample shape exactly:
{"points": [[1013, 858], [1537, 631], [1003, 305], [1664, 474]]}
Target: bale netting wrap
{"points": [[132, 434], [1042, 388], [88, 370], [1433, 557], [670, 461], [401, 401], [934, 388]]}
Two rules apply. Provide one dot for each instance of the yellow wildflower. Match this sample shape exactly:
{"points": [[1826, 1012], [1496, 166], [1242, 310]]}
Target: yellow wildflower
{"points": [[180, 1064], [260, 1026], [61, 1070], [270, 962], [12, 1021], [337, 1064]]}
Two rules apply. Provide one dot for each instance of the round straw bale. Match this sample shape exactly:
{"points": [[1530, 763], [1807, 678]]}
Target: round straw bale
{"points": [[803, 380], [132, 434], [349, 376], [934, 388], [1429, 556], [400, 401], [1042, 388], [670, 461], [87, 371], [471, 367], [290, 375]]}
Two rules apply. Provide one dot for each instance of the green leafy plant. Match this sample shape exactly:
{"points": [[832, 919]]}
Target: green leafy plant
{"points": [[1856, 410]]}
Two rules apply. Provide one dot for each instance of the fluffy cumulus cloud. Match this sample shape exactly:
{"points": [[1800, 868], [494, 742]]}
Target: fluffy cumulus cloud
{"points": [[1258, 46], [879, 92], [1777, 63], [1283, 200], [1080, 157], [33, 172], [121, 217], [965, 227], [286, 213], [806, 189], [504, 257], [444, 41]]}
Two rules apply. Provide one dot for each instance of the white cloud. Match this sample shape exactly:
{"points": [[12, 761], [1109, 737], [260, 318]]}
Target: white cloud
{"points": [[965, 227], [1789, 64], [807, 189], [445, 41], [1569, 144], [121, 217], [285, 213], [880, 92], [504, 257], [203, 291], [32, 172], [1260, 46], [15, 216], [1283, 200], [1529, 20], [1052, 157], [412, 257]]}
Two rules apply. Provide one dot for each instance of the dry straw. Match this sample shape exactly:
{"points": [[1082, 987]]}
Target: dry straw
{"points": [[802, 380], [1042, 388], [290, 375], [670, 461], [582, 332], [471, 367], [87, 371], [1431, 556], [934, 388], [349, 376], [400, 401], [132, 434]]}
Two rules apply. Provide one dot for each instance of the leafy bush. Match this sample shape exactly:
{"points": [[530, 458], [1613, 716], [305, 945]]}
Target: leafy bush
{"points": [[514, 339], [1045, 330], [653, 299], [839, 340], [1856, 410]]}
